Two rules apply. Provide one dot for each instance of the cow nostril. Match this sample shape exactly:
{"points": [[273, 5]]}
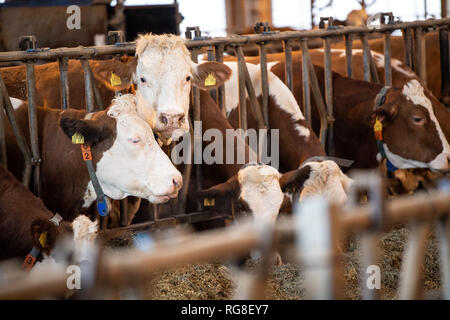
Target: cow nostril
{"points": [[163, 119]]}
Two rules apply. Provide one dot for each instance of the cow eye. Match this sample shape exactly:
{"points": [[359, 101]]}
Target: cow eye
{"points": [[143, 80], [134, 140], [188, 78], [418, 120]]}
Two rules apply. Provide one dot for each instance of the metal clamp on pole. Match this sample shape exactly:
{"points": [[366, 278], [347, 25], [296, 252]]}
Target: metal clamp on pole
{"points": [[27, 43], [197, 33], [116, 37], [263, 28], [330, 25]]}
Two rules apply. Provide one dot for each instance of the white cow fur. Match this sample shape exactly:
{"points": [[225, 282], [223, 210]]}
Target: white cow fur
{"points": [[139, 169]]}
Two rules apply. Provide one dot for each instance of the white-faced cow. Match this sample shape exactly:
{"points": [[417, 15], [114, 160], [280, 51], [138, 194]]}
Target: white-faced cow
{"points": [[125, 154]]}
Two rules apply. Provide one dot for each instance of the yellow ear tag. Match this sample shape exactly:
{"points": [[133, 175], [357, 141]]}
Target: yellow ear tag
{"points": [[43, 239], [378, 128], [115, 80], [210, 80], [209, 202], [77, 138]]}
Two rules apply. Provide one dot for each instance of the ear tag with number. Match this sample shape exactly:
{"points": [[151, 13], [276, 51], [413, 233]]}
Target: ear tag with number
{"points": [[43, 239], [378, 128], [209, 202], [115, 80], [210, 80], [77, 138]]}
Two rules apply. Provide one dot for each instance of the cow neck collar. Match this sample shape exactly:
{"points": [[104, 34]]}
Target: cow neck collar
{"points": [[378, 130]]}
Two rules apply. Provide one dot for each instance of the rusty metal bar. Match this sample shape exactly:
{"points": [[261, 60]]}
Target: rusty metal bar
{"points": [[329, 96], [348, 54], [20, 138], [366, 57], [421, 63], [407, 42], [264, 83], [306, 91], [242, 95], [387, 60], [63, 69], [287, 45], [33, 127], [221, 89], [88, 89], [317, 94]]}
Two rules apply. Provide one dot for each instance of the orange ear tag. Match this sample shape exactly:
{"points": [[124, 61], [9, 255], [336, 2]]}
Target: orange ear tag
{"points": [[210, 80], [378, 128]]}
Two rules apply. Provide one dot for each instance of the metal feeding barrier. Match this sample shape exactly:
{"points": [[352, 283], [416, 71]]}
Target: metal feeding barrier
{"points": [[215, 47], [317, 231]]}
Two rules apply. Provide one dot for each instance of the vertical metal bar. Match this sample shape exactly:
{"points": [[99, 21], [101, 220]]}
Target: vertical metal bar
{"points": [[289, 72], [187, 169], [317, 94], [3, 158], [387, 59], [20, 138], [407, 41], [445, 64], [221, 89], [63, 69], [123, 212], [366, 57], [421, 62], [33, 126], [306, 84], [254, 104], [369, 258], [443, 227], [411, 273], [348, 54], [242, 96], [264, 83], [197, 117], [211, 57], [329, 96], [89, 94]]}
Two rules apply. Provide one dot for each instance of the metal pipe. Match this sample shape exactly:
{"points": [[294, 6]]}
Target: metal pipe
{"points": [[33, 127], [221, 89], [88, 90], [387, 60], [443, 228], [348, 54], [264, 83], [305, 87], [210, 51], [289, 72], [329, 96], [63, 69], [242, 95], [197, 117], [366, 57], [407, 41], [124, 212], [20, 138], [317, 94], [421, 63]]}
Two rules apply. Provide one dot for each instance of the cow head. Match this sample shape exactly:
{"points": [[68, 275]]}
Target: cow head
{"points": [[255, 190], [412, 135], [127, 157], [163, 72], [323, 178]]}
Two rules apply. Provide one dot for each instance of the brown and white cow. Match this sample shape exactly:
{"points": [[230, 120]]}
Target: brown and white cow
{"points": [[126, 157], [23, 218]]}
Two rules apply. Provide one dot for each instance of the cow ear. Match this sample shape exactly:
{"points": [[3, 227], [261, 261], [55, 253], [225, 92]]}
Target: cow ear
{"points": [[293, 181], [228, 188], [92, 131], [44, 234], [385, 113], [114, 74], [210, 75]]}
